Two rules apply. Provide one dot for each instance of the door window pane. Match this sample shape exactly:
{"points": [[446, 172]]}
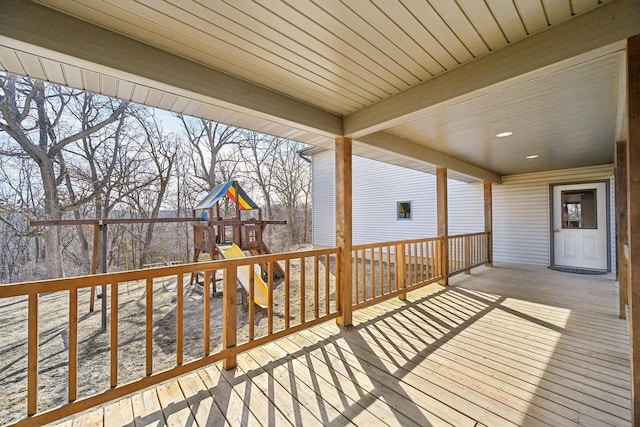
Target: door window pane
{"points": [[579, 209]]}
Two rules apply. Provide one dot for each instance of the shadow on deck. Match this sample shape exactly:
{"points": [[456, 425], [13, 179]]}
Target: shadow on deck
{"points": [[511, 345]]}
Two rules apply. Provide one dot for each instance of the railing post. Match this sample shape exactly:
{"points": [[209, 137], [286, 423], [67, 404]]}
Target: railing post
{"points": [[229, 314], [400, 271], [488, 220], [633, 218], [343, 228], [443, 221]]}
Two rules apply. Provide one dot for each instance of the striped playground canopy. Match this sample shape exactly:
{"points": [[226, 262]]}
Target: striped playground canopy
{"points": [[229, 190]]}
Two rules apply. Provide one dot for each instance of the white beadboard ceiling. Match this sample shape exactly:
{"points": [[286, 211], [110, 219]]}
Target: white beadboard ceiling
{"points": [[340, 57], [568, 118]]}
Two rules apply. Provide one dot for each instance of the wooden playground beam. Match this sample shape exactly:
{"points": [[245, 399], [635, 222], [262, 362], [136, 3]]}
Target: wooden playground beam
{"points": [[50, 222], [245, 222]]}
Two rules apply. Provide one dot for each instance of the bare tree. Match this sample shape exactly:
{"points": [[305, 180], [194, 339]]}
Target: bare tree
{"points": [[98, 155], [292, 187], [258, 154], [206, 140], [162, 152], [19, 244], [35, 116]]}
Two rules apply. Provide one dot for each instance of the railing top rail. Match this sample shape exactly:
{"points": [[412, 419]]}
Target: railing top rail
{"points": [[394, 242], [479, 233], [54, 285]]}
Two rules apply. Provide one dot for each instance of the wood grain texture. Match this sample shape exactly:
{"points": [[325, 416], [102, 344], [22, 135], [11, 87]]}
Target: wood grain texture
{"points": [[633, 209], [344, 224]]}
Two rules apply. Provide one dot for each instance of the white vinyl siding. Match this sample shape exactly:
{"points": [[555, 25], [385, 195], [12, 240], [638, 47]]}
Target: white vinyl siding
{"points": [[466, 207], [521, 217], [323, 180], [520, 206], [377, 189]]}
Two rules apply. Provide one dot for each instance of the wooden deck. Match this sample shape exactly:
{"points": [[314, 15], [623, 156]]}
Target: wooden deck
{"points": [[511, 345]]}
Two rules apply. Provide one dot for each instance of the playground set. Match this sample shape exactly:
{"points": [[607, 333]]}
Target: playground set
{"points": [[217, 237], [214, 237]]}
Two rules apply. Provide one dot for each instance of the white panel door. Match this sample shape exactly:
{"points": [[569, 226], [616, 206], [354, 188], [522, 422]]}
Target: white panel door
{"points": [[580, 225]]}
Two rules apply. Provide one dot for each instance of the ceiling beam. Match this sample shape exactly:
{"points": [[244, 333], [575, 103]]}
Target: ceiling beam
{"points": [[402, 147], [71, 40], [600, 27]]}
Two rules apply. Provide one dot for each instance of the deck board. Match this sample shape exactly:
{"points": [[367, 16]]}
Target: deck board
{"points": [[510, 345], [264, 409], [324, 390], [352, 391], [175, 409], [119, 413], [146, 409], [235, 410], [200, 402]]}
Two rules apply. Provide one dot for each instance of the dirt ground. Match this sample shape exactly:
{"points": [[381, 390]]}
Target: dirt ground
{"points": [[93, 351]]}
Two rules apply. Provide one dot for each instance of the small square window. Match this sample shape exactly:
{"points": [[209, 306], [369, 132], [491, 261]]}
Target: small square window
{"points": [[404, 210]]}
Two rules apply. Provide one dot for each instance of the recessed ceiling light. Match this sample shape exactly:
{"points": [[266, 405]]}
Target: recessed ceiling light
{"points": [[533, 156], [504, 134]]}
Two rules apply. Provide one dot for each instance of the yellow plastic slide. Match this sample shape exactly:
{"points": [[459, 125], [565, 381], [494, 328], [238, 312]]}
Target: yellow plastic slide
{"points": [[261, 291]]}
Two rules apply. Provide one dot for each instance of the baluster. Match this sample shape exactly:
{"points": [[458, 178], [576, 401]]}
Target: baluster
{"points": [[327, 270], [149, 327], [316, 286], [230, 314], [250, 303], [180, 320], [114, 334], [287, 285], [355, 276], [73, 344], [303, 288], [380, 270], [206, 295], [270, 297], [32, 356], [364, 275]]}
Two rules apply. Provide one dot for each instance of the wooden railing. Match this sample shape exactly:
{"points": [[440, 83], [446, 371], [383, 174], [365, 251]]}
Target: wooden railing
{"points": [[306, 296], [467, 251], [213, 329], [388, 269]]}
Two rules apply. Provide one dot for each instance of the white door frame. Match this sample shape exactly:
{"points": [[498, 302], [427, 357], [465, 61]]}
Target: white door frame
{"points": [[607, 222]]}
